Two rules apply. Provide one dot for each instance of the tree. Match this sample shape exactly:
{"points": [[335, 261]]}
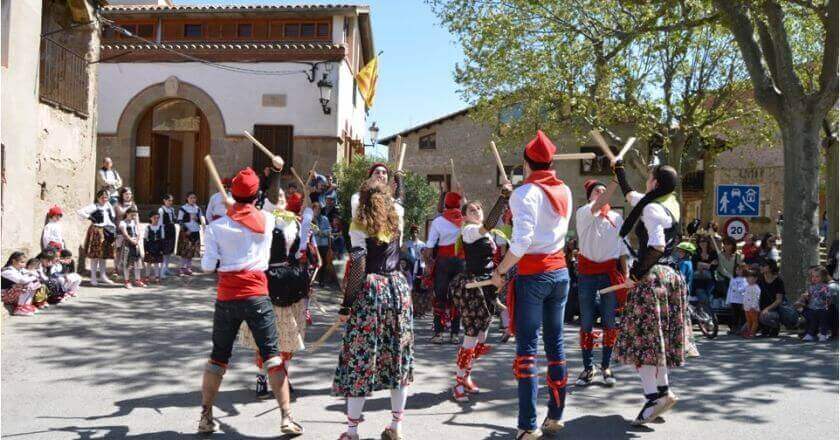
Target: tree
{"points": [[420, 197]]}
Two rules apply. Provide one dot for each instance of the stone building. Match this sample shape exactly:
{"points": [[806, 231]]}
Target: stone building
{"points": [[49, 50], [178, 82], [431, 145]]}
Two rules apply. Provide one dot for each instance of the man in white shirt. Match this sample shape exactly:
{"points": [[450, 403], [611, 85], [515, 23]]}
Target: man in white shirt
{"points": [[602, 262], [240, 244], [216, 207], [109, 179], [541, 210], [440, 245]]}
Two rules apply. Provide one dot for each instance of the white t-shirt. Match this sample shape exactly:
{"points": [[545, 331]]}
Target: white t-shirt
{"points": [[735, 294], [597, 238], [655, 219], [192, 219], [537, 228], [752, 295], [236, 247], [442, 232], [52, 233], [216, 207]]}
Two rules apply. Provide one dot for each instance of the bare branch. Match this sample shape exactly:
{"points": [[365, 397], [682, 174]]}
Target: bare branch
{"points": [[827, 95], [787, 79]]}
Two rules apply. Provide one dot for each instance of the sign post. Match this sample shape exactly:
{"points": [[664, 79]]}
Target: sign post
{"points": [[736, 228], [738, 200]]}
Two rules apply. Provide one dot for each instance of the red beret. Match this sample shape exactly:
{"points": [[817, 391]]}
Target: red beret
{"points": [[54, 210], [245, 184], [452, 200], [540, 149], [227, 181], [375, 166]]}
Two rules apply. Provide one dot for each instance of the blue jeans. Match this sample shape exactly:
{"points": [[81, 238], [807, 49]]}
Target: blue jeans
{"points": [[540, 301], [590, 303]]}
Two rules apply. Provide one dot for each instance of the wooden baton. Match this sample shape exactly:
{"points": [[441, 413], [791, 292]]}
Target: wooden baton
{"points": [[317, 344], [574, 156], [626, 148], [603, 144], [499, 163], [214, 174], [478, 284], [615, 287], [258, 144]]}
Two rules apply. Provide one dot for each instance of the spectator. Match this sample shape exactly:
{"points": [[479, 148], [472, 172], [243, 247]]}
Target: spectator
{"points": [[693, 227], [728, 259], [816, 304], [129, 255], [294, 199], [735, 298], [319, 186], [192, 220], [752, 303], [65, 271], [705, 265], [331, 190], [49, 277], [685, 254], [216, 207], [53, 236], [338, 245], [772, 296], [768, 250], [125, 202], [322, 233], [750, 250], [154, 242], [33, 265], [19, 286], [330, 210], [99, 240], [109, 180]]}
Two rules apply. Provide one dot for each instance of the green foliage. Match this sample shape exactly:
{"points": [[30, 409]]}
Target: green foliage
{"points": [[420, 197]]}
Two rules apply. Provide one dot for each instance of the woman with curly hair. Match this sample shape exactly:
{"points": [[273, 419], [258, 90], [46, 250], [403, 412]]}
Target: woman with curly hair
{"points": [[377, 350]]}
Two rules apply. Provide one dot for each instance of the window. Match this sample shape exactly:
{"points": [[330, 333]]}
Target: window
{"points": [[440, 181], [307, 30], [291, 31], [244, 30], [323, 30], [428, 142], [63, 78], [129, 27], [515, 173], [146, 30], [192, 30], [600, 166], [278, 139]]}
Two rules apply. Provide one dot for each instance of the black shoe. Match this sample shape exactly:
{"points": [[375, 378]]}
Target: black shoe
{"points": [[646, 414], [585, 377], [262, 388]]}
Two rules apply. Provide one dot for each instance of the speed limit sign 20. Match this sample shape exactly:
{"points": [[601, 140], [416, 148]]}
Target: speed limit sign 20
{"points": [[736, 228]]}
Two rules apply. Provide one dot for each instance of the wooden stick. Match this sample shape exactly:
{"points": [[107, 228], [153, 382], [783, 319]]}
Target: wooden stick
{"points": [[259, 144], [478, 284], [626, 285], [626, 148], [299, 180], [214, 175], [499, 163], [574, 156], [603, 144], [403, 147], [317, 344]]}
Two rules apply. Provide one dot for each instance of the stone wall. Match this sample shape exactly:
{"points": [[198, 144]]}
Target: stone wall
{"points": [[48, 152]]}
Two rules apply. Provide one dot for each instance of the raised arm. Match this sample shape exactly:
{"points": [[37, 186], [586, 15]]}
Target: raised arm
{"points": [[498, 209]]}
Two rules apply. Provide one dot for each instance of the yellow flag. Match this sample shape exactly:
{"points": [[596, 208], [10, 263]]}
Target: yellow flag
{"points": [[367, 78]]}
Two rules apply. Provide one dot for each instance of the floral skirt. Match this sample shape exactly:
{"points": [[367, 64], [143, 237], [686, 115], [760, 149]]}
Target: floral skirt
{"points": [[476, 306], [377, 350], [291, 325], [96, 245], [655, 328], [188, 248]]}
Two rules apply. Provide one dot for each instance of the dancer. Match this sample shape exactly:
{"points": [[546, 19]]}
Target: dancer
{"points": [[129, 256], [99, 240], [655, 332], [602, 262], [167, 221], [377, 350], [541, 210], [191, 220], [154, 240], [216, 208], [240, 243], [288, 286], [476, 306], [443, 233]]}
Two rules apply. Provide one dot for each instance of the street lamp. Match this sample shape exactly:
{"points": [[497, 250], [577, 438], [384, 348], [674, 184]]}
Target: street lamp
{"points": [[325, 88], [373, 130]]}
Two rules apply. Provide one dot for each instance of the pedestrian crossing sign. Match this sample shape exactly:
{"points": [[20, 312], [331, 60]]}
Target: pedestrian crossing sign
{"points": [[738, 200]]}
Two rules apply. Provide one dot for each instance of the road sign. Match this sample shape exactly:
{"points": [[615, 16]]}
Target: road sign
{"points": [[736, 228], [738, 200]]}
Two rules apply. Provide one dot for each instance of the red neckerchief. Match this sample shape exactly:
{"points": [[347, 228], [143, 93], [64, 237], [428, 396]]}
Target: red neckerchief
{"points": [[454, 216], [605, 214], [247, 215], [553, 187]]}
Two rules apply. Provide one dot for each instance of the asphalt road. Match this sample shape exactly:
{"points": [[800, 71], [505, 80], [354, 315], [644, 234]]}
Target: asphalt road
{"points": [[116, 363]]}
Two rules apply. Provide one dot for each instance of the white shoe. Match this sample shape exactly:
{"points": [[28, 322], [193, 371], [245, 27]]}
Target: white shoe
{"points": [[93, 282], [808, 338], [107, 280], [522, 434], [823, 338]]}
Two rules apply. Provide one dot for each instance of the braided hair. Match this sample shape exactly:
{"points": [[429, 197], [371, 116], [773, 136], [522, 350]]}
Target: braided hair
{"points": [[666, 181]]}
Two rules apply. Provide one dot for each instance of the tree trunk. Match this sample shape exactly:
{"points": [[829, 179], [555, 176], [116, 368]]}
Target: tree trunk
{"points": [[674, 158], [831, 190], [707, 209], [800, 233]]}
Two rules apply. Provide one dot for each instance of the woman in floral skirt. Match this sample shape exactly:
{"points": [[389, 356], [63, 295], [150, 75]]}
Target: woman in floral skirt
{"points": [[655, 333], [377, 351]]}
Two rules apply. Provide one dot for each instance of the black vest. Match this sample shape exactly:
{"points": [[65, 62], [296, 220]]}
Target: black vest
{"points": [[478, 255], [278, 248], [671, 235], [382, 257]]}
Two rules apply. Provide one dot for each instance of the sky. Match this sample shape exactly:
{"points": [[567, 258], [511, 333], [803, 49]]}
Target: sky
{"points": [[415, 68]]}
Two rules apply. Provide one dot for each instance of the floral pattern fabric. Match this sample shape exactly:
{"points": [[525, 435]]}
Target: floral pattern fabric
{"points": [[96, 245], [655, 327], [377, 351], [475, 307]]}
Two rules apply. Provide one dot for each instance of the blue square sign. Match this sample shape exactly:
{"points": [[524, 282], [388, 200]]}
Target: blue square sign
{"points": [[738, 200]]}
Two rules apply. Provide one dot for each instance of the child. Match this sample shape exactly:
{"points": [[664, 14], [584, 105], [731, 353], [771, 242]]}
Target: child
{"points": [[735, 298], [18, 286], [816, 310], [65, 271], [685, 252], [752, 293], [191, 219], [52, 236], [167, 221], [55, 293], [99, 240], [130, 249], [39, 300], [153, 245]]}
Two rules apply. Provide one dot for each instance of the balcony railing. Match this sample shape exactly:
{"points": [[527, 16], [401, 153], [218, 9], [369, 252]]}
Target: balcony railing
{"points": [[63, 78]]}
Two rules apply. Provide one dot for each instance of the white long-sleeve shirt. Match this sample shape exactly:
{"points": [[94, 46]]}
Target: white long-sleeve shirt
{"points": [[655, 218], [442, 232], [216, 207], [190, 217], [537, 228], [17, 276], [354, 206], [52, 233], [597, 237], [236, 247], [107, 213]]}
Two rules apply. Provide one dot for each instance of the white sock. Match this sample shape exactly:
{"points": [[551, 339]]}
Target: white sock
{"points": [[103, 268], [648, 375], [398, 398], [137, 274], [482, 336], [126, 275], [94, 268], [662, 376], [355, 405]]}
